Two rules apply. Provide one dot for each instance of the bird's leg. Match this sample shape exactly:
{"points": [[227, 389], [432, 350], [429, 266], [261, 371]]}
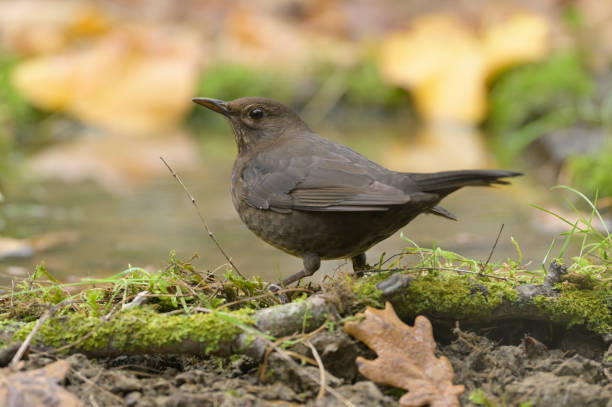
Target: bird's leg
{"points": [[359, 264], [312, 262]]}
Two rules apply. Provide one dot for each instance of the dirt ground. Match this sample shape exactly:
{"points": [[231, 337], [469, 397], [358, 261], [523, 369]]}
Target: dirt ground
{"points": [[574, 371]]}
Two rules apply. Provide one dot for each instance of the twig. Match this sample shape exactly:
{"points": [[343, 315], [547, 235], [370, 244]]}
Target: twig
{"points": [[302, 357], [444, 269], [256, 297], [321, 369], [28, 339], [607, 374], [137, 301], [306, 373], [92, 400], [88, 381], [26, 343], [195, 205], [494, 246], [269, 348]]}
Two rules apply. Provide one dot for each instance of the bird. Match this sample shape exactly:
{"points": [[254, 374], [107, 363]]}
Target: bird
{"points": [[317, 199]]}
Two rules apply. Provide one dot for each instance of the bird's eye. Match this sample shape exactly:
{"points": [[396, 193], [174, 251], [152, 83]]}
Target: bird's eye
{"points": [[256, 113]]}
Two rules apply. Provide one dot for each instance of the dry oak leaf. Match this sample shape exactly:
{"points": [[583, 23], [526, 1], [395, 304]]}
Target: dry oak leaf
{"points": [[37, 388], [405, 358]]}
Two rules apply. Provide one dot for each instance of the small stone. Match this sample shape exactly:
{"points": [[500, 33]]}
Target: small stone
{"points": [[132, 398], [551, 390], [364, 393], [170, 373], [394, 284], [578, 366], [124, 384]]}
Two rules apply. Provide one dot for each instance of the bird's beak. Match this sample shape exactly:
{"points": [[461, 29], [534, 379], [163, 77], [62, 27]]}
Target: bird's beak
{"points": [[215, 105]]}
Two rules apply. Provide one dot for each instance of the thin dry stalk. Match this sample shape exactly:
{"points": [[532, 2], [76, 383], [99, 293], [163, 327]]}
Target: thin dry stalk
{"points": [[302, 357], [456, 270], [102, 389], [92, 400], [195, 205], [136, 302], [264, 363], [494, 246], [24, 346], [269, 294], [607, 374], [321, 369], [306, 373]]}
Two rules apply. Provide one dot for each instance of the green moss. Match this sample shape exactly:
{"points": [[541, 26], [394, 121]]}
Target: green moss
{"points": [[366, 291], [580, 307], [459, 296], [137, 328], [467, 297], [8, 327]]}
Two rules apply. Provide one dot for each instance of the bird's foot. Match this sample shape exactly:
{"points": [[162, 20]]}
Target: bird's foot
{"points": [[360, 267], [275, 288]]}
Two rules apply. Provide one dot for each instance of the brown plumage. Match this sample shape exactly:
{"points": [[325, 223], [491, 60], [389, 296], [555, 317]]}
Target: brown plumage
{"points": [[318, 199]]}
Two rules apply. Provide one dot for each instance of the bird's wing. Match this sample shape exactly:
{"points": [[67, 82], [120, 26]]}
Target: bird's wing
{"points": [[329, 181]]}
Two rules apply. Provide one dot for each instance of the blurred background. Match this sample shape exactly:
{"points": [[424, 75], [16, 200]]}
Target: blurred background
{"points": [[93, 92]]}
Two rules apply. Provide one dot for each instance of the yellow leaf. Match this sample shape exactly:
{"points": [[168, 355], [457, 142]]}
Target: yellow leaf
{"points": [[446, 64], [137, 79], [519, 39]]}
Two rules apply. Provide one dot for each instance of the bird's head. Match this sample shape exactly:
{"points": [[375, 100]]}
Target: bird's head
{"points": [[256, 121]]}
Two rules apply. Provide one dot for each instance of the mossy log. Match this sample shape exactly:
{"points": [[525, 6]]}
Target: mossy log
{"points": [[143, 330], [483, 299], [442, 296]]}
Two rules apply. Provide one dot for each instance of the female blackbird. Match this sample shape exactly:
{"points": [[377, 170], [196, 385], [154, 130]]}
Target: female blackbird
{"points": [[318, 199]]}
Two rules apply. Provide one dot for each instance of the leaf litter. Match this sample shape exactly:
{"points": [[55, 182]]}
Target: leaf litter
{"points": [[406, 358]]}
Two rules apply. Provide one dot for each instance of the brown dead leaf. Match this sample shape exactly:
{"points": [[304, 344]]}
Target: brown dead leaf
{"points": [[32, 27], [405, 358], [37, 388], [136, 79]]}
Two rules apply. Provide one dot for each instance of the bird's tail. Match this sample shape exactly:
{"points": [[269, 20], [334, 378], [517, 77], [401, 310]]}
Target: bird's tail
{"points": [[448, 181]]}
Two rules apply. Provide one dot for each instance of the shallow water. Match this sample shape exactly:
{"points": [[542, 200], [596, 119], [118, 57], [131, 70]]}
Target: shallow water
{"points": [[140, 227]]}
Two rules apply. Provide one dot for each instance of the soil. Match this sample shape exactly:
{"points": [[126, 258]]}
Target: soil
{"points": [[576, 372]]}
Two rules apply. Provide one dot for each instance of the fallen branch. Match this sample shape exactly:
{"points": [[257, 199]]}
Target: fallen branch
{"points": [[26, 343], [141, 330]]}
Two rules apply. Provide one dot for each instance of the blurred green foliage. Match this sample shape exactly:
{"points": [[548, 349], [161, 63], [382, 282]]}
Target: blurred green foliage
{"points": [[593, 172], [230, 81], [18, 118], [13, 107], [363, 86], [227, 82], [354, 87], [529, 101], [557, 94]]}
